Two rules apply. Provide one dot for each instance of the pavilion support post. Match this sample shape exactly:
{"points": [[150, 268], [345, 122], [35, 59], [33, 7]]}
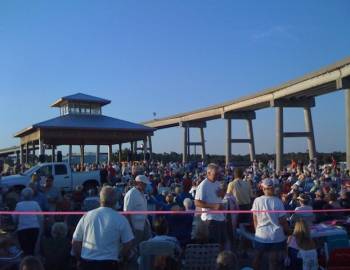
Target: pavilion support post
{"points": [[21, 159], [27, 153], [120, 153], [33, 152], [188, 143], [228, 141], [185, 148], [110, 153], [132, 147], [82, 154], [70, 154], [17, 156], [279, 139], [53, 154], [347, 124], [97, 154], [150, 147], [203, 144], [251, 138], [144, 149], [310, 129], [41, 148], [135, 147]]}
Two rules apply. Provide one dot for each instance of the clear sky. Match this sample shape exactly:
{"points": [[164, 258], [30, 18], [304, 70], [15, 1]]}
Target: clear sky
{"points": [[170, 57]]}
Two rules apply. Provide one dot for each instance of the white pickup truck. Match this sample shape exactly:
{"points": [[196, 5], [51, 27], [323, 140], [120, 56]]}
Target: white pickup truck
{"points": [[64, 177]]}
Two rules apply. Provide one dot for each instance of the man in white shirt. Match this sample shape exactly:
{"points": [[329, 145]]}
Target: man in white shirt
{"points": [[209, 196], [270, 228], [102, 236], [135, 200]]}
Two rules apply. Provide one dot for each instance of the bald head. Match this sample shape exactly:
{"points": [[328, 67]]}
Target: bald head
{"points": [[108, 197]]}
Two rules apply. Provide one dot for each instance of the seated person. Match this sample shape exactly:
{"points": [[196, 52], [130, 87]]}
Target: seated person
{"points": [[56, 250], [226, 260], [180, 226], [161, 230], [92, 201], [308, 217]]}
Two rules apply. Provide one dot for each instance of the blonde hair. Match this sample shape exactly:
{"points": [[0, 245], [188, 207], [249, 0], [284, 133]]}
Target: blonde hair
{"points": [[302, 235]]}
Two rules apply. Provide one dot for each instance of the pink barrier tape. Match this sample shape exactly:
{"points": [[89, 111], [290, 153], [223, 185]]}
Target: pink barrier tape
{"points": [[16, 213]]}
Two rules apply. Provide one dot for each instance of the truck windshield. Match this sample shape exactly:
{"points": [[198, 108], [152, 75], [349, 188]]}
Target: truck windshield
{"points": [[31, 170]]}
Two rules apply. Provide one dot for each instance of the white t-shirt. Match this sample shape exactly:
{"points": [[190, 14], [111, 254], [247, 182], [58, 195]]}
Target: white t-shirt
{"points": [[28, 221], [134, 200], [102, 231], [268, 228], [207, 192]]}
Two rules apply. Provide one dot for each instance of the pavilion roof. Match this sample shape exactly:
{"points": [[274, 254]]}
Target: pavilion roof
{"points": [[80, 97], [86, 122]]}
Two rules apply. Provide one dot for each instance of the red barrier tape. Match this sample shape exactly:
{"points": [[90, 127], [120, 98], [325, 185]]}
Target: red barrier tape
{"points": [[126, 213]]}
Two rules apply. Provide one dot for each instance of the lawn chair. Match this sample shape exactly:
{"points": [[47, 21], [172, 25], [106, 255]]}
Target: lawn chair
{"points": [[201, 257], [335, 242], [339, 259], [149, 250]]}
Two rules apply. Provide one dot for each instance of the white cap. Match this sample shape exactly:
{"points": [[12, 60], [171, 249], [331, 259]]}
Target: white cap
{"points": [[142, 179]]}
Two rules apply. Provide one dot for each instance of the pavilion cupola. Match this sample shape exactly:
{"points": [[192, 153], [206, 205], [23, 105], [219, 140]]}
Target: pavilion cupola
{"points": [[80, 104]]}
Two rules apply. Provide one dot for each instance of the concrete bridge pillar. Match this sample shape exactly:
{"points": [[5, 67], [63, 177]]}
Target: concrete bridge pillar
{"points": [[280, 104], [347, 125], [187, 139], [279, 138], [239, 115], [228, 141], [310, 129]]}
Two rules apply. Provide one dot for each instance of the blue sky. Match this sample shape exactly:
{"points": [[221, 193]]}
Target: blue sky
{"points": [[169, 57]]}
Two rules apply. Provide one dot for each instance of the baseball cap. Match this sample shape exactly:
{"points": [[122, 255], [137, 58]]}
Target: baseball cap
{"points": [[142, 179], [267, 183]]}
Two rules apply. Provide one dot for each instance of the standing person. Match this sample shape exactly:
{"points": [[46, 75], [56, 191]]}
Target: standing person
{"points": [[302, 249], [209, 196], [135, 200], [270, 228], [242, 191], [28, 226], [102, 236], [103, 175], [52, 193]]}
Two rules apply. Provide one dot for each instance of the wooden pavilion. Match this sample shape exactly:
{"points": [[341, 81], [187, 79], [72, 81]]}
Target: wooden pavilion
{"points": [[81, 122]]}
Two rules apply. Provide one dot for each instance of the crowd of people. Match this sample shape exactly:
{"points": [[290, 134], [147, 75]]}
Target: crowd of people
{"points": [[110, 236]]}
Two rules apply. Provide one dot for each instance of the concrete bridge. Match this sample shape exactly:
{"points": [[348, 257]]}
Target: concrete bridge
{"points": [[298, 93]]}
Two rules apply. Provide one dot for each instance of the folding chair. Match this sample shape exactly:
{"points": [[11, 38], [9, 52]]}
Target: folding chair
{"points": [[339, 259], [150, 249], [201, 257]]}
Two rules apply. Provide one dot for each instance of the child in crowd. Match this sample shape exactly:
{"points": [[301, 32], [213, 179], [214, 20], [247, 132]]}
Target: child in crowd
{"points": [[301, 248]]}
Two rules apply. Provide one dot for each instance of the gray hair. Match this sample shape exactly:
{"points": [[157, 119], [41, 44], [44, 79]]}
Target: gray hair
{"points": [[108, 196], [188, 203], [27, 194], [212, 167], [59, 230]]}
